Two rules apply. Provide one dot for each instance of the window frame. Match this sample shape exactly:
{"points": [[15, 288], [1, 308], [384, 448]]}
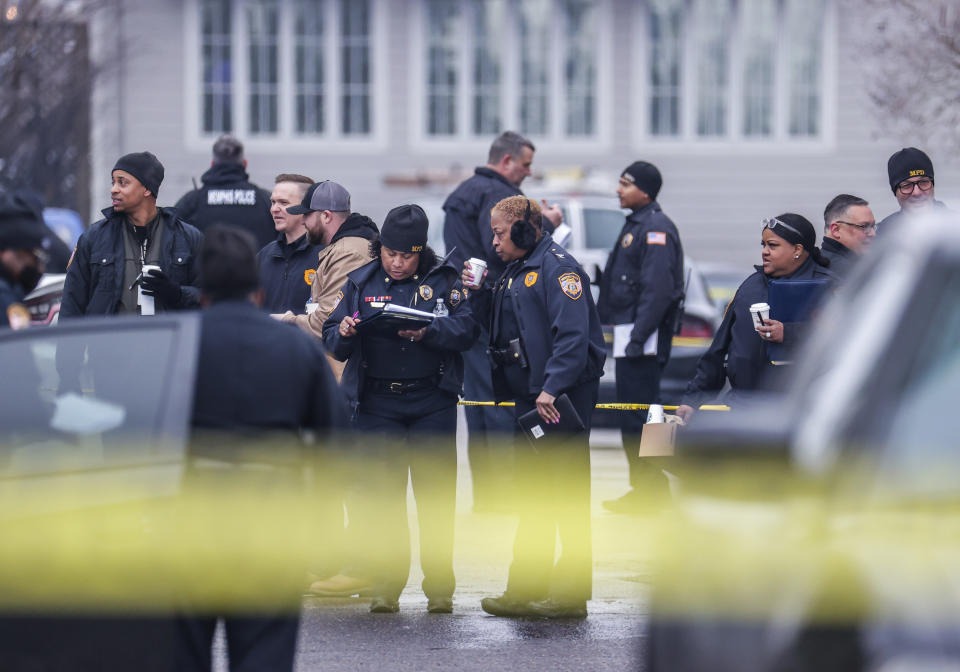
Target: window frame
{"points": [[688, 141], [464, 140], [287, 140]]}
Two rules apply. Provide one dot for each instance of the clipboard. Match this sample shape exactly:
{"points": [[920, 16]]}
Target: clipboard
{"points": [[538, 432]]}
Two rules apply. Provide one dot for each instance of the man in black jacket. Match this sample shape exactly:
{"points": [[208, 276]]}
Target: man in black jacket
{"points": [[227, 195], [247, 424], [107, 264], [288, 265], [466, 234], [640, 292], [21, 262], [848, 229]]}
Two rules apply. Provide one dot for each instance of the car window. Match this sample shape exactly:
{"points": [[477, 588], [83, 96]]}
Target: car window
{"points": [[601, 227], [94, 396]]}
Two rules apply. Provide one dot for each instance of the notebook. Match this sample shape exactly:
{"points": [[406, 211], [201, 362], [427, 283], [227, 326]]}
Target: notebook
{"points": [[537, 430]]}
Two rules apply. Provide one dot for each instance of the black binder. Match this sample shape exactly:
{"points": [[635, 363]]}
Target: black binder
{"points": [[538, 431], [388, 324]]}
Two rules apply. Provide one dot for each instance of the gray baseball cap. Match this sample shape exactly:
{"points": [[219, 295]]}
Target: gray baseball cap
{"points": [[326, 195]]}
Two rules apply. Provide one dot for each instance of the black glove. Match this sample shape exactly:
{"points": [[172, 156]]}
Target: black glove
{"points": [[161, 287]]}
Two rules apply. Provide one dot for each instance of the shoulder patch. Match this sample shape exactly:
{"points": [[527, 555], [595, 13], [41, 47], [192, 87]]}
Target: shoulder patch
{"points": [[571, 285], [531, 279], [455, 297], [18, 316], [656, 238], [426, 292], [336, 301], [309, 276]]}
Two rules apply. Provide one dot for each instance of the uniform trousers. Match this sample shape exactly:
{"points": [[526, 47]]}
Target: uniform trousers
{"points": [[553, 488], [489, 432], [638, 382], [412, 434]]}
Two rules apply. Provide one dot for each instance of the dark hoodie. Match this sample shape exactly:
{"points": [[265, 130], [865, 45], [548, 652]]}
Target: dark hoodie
{"points": [[228, 197]]}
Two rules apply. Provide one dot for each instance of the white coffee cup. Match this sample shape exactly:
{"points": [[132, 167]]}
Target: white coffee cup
{"points": [[760, 311], [476, 268], [655, 414], [146, 303]]}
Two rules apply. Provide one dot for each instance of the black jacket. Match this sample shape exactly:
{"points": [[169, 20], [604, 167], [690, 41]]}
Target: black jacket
{"points": [[287, 270], [94, 282], [449, 335], [467, 222], [559, 327], [228, 197], [10, 293], [841, 259], [642, 282], [256, 375], [738, 353]]}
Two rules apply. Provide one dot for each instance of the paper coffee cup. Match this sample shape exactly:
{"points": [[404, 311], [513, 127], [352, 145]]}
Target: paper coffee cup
{"points": [[145, 302], [654, 414], [759, 311], [476, 268]]}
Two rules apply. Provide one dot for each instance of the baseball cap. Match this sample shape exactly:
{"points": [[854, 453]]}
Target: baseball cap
{"points": [[326, 195]]}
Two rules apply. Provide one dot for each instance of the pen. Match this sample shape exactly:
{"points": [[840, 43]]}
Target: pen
{"points": [[356, 315], [134, 283]]}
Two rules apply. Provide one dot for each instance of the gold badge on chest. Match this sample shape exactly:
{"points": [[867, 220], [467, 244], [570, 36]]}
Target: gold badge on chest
{"points": [[627, 240], [426, 292], [531, 279]]}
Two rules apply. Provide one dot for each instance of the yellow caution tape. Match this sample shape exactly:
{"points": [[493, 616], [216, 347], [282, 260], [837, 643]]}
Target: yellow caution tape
{"points": [[604, 407]]}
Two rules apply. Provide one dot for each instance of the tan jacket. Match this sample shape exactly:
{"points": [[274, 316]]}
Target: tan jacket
{"points": [[335, 262]]}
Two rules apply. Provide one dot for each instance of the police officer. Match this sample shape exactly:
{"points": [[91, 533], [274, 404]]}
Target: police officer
{"points": [[228, 196], [545, 341], [640, 293], [739, 349], [21, 259], [405, 384]]}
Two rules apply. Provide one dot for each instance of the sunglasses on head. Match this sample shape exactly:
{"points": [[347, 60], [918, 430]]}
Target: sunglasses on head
{"points": [[772, 223]]}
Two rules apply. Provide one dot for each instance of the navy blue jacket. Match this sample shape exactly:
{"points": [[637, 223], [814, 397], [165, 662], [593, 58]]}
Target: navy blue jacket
{"points": [[642, 282], [559, 326], [257, 375], [287, 272], [228, 197], [94, 282], [10, 293], [467, 222], [449, 335], [738, 353]]}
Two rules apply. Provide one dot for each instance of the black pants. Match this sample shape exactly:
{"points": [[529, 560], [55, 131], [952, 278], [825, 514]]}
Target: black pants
{"points": [[638, 382], [553, 488], [423, 446], [490, 431], [254, 644]]}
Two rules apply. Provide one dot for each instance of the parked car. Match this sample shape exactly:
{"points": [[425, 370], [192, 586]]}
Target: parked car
{"points": [[818, 529], [595, 222], [722, 280], [44, 301]]}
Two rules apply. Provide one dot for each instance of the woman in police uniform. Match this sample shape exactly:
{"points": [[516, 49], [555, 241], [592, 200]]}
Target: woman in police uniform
{"points": [[404, 386], [545, 340], [739, 350]]}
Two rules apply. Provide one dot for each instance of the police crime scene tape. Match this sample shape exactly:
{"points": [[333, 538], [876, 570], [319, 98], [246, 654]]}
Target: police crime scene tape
{"points": [[603, 407]]}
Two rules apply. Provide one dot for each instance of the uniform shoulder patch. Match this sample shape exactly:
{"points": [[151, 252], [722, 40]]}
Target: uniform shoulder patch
{"points": [[627, 240], [309, 276], [656, 238], [426, 292], [336, 301], [18, 316], [455, 297], [531, 279], [571, 285]]}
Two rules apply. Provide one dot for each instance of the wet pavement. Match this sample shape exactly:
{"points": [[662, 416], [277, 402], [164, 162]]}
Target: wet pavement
{"points": [[341, 634]]}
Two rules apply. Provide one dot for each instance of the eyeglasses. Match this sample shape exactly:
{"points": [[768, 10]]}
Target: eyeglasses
{"points": [[773, 222], [906, 188], [863, 227]]}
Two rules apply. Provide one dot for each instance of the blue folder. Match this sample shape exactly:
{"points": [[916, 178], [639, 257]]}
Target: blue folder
{"points": [[792, 301]]}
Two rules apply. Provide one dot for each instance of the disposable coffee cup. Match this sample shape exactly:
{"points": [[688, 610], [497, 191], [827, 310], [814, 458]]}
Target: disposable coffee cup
{"points": [[145, 301], [759, 311], [655, 414], [476, 268]]}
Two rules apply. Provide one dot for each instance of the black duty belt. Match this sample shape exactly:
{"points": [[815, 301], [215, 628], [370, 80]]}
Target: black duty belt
{"points": [[511, 355], [402, 385]]}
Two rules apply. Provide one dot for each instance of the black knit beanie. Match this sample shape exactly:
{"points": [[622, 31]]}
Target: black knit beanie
{"points": [[405, 229], [645, 177], [908, 162], [145, 167]]}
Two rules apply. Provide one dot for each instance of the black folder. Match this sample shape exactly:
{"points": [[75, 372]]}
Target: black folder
{"points": [[388, 324], [539, 431]]}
